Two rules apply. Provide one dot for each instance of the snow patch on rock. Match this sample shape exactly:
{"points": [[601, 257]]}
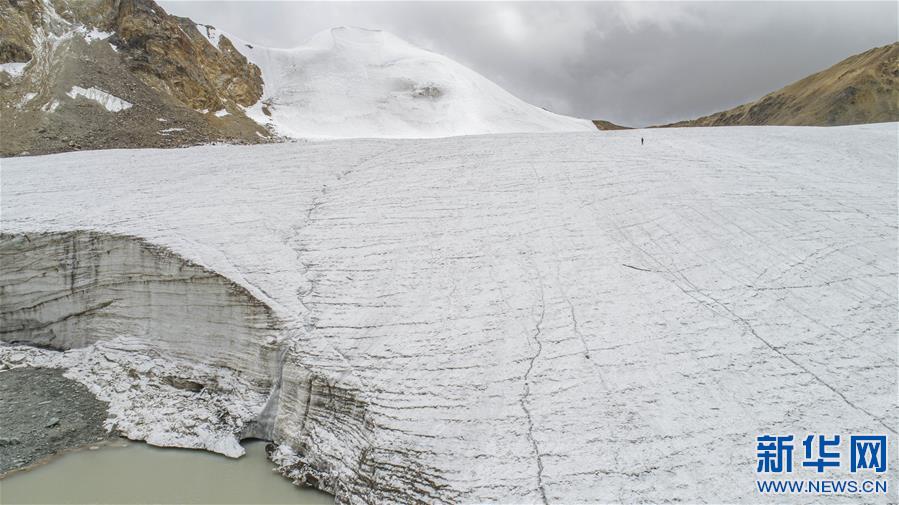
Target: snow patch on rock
{"points": [[50, 106], [14, 69], [25, 99], [212, 34], [109, 102], [93, 34]]}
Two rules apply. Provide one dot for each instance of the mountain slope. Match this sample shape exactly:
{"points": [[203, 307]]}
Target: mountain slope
{"points": [[354, 82], [860, 89], [64, 62], [122, 73], [602, 124]]}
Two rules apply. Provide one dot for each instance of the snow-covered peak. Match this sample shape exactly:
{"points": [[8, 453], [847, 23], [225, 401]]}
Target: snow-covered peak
{"points": [[351, 36], [355, 82]]}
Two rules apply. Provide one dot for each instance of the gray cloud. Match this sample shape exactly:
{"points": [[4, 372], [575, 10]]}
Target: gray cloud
{"points": [[633, 63]]}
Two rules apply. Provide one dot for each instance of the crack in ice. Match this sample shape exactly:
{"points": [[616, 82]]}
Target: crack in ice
{"points": [[747, 326], [526, 396]]}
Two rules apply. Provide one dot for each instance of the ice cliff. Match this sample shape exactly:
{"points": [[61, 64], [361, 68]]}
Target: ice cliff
{"points": [[529, 318]]}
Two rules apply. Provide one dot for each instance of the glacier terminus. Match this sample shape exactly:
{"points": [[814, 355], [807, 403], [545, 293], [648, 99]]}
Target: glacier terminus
{"points": [[528, 318]]}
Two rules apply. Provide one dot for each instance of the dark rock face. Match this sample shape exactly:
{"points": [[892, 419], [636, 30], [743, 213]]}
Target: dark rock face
{"points": [[172, 75]]}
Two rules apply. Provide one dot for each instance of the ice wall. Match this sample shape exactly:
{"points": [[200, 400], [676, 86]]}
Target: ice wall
{"points": [[70, 290]]}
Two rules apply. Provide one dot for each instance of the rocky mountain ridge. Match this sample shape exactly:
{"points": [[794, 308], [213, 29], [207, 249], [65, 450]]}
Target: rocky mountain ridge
{"points": [[863, 88], [117, 73]]}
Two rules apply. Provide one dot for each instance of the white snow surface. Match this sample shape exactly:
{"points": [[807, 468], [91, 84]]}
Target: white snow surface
{"points": [[353, 82], [540, 317], [27, 97], [50, 106], [212, 34], [109, 102], [94, 34], [14, 69]]}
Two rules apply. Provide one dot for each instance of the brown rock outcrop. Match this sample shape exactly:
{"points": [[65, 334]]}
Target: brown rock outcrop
{"points": [[133, 50], [863, 88]]}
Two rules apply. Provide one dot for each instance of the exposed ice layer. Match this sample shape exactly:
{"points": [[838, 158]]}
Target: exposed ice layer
{"points": [[109, 102], [352, 82], [70, 290], [528, 318], [101, 295]]}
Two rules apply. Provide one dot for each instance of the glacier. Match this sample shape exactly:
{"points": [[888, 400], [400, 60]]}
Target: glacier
{"points": [[528, 318]]}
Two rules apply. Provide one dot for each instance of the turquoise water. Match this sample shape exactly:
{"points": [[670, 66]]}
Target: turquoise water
{"points": [[139, 473]]}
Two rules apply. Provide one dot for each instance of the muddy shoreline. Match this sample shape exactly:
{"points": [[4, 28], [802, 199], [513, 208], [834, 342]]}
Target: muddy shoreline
{"points": [[43, 414]]}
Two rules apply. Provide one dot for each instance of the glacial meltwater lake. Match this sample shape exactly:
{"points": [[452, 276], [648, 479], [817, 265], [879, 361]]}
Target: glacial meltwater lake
{"points": [[138, 473]]}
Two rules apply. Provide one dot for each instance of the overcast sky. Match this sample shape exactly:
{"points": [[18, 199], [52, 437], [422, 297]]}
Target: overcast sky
{"points": [[633, 63]]}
